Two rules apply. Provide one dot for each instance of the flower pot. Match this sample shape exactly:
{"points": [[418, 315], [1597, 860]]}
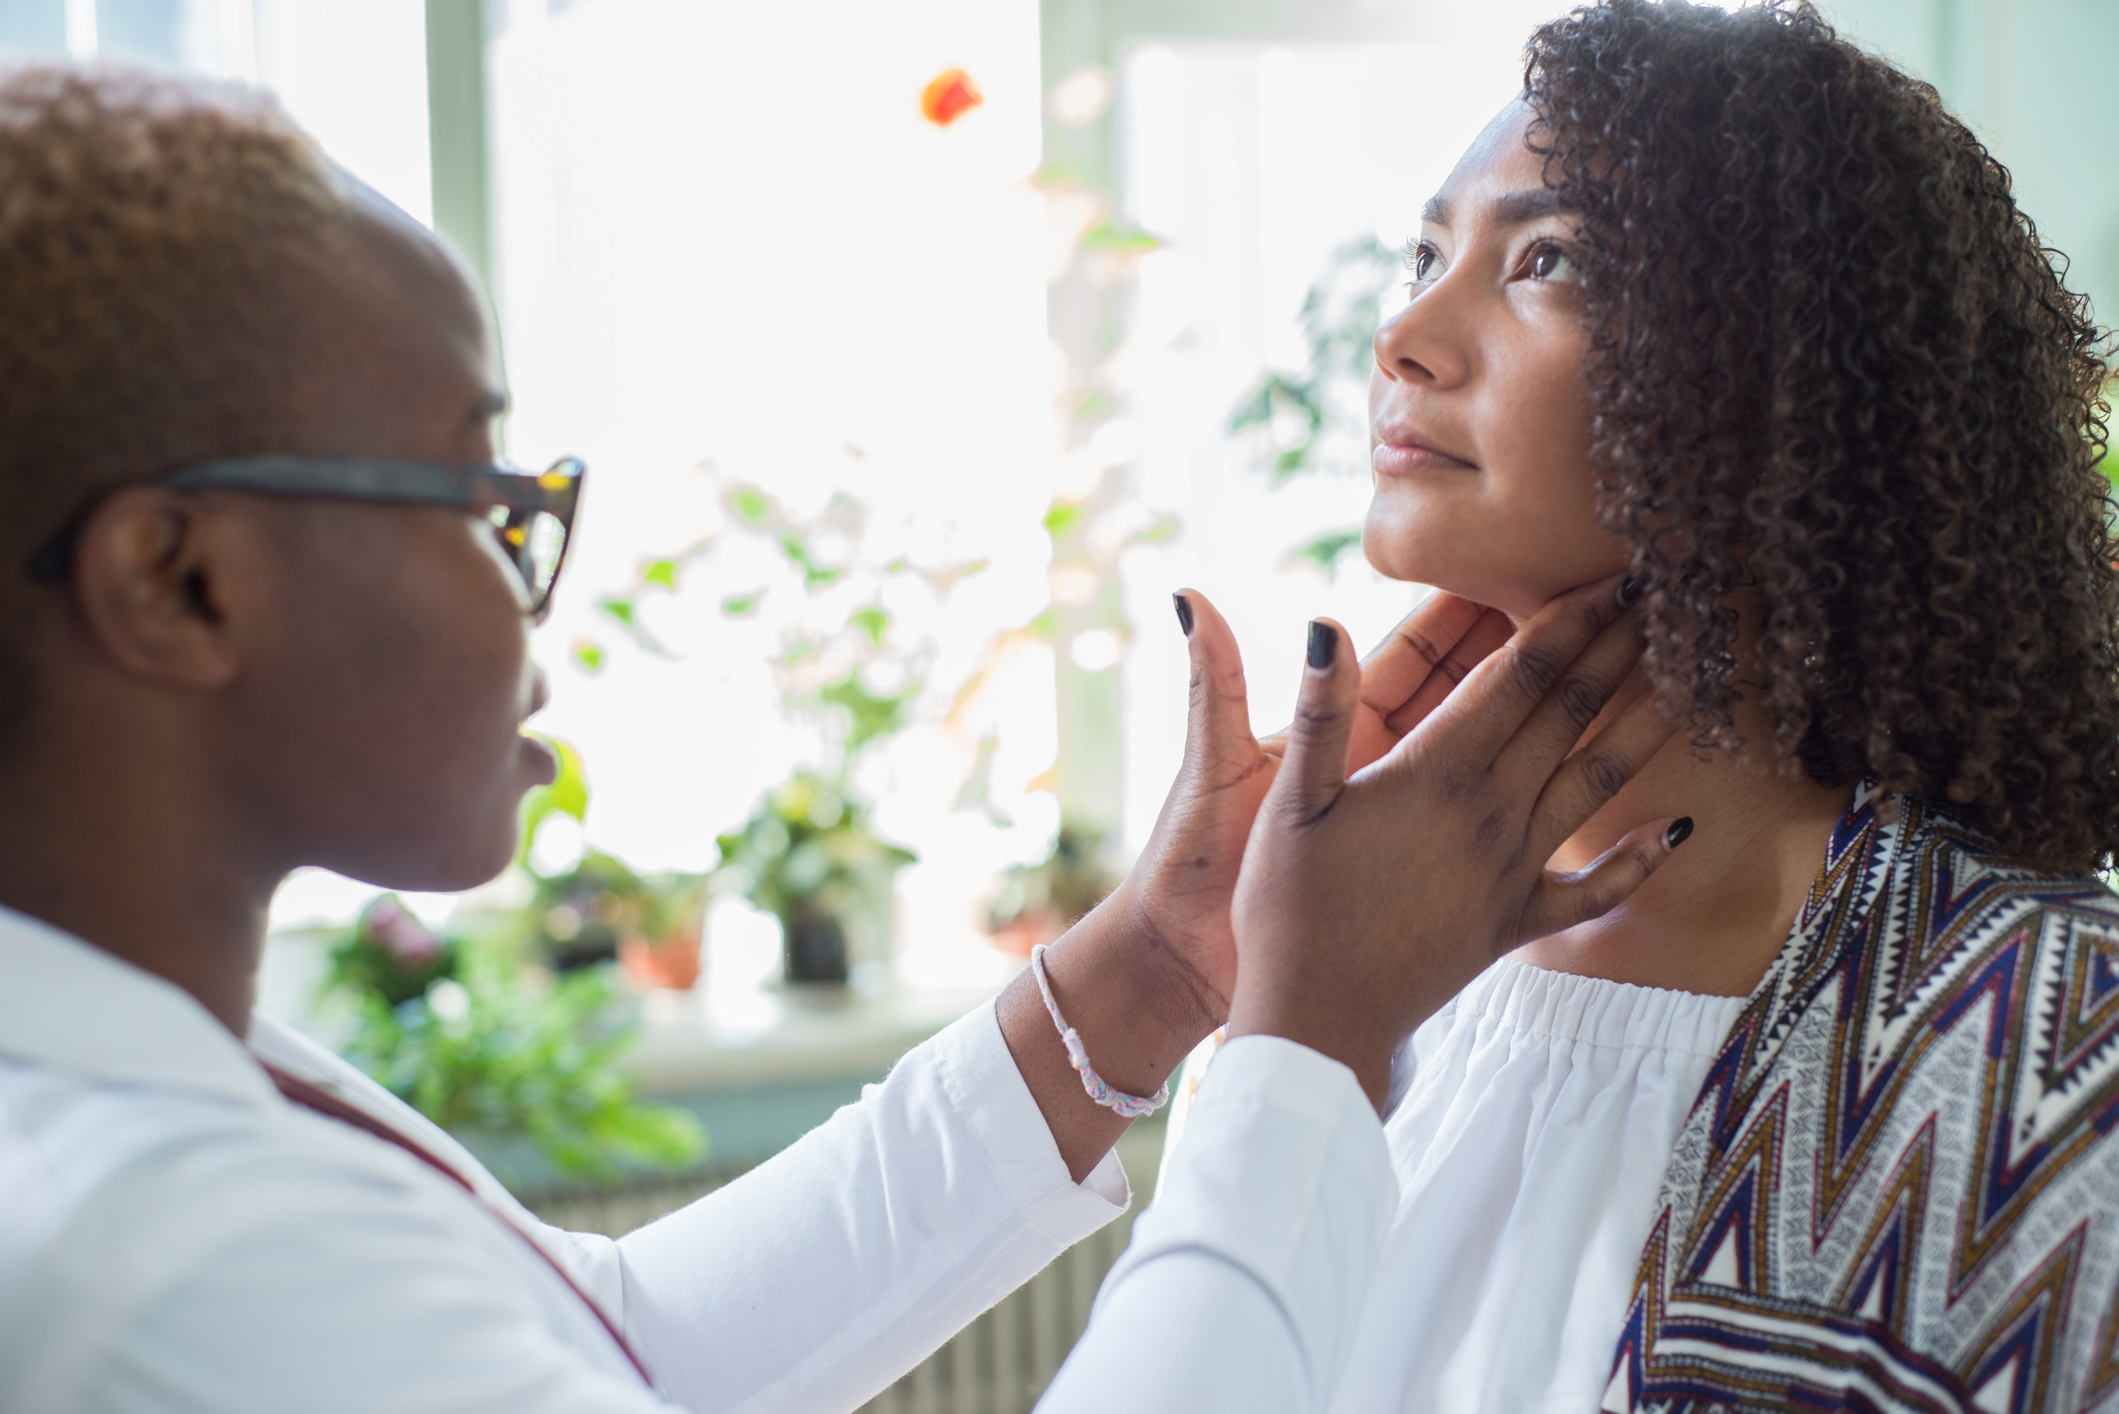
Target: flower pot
{"points": [[813, 948], [1028, 929], [671, 962]]}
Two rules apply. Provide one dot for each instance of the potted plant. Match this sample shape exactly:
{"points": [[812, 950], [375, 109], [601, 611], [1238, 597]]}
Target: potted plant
{"points": [[1035, 903], [601, 910], [456, 1026], [848, 669], [808, 857]]}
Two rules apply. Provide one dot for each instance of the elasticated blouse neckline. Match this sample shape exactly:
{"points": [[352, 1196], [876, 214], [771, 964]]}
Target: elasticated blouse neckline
{"points": [[1563, 1006]]}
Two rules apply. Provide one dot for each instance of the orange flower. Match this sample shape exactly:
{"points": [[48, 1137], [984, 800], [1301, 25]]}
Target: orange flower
{"points": [[949, 96]]}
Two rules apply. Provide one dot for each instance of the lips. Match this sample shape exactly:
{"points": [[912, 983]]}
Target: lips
{"points": [[1404, 450], [541, 759]]}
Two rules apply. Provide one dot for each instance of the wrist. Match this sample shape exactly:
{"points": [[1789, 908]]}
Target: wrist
{"points": [[1172, 995], [1333, 1037], [1138, 1006]]}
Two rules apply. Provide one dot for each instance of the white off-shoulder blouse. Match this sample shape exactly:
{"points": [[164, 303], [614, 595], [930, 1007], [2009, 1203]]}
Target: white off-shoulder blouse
{"points": [[1534, 1117]]}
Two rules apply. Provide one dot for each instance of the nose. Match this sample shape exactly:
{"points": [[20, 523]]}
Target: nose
{"points": [[540, 690], [1419, 343]]}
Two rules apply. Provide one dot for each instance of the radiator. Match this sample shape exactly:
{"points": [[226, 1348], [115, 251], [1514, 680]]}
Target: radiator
{"points": [[1001, 1362]]}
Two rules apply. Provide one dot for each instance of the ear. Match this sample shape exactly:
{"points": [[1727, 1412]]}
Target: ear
{"points": [[154, 574]]}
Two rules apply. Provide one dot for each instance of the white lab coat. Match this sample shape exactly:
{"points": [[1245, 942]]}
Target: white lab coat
{"points": [[176, 1236]]}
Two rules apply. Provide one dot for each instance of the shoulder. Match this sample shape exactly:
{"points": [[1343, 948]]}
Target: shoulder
{"points": [[1966, 936], [123, 1199], [1969, 1073], [1906, 1145], [1974, 993]]}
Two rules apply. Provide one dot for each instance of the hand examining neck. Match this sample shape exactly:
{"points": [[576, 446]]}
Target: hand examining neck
{"points": [[1365, 903], [1714, 920], [1357, 906], [1152, 970]]}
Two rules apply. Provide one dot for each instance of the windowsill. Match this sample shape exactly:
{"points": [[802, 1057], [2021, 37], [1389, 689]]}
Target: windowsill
{"points": [[705, 1040]]}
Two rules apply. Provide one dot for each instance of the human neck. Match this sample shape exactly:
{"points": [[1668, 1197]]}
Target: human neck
{"points": [[105, 836], [1716, 913]]}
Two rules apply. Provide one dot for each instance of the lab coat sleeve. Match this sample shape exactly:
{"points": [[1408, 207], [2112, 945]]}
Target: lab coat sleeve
{"points": [[813, 1281], [1242, 1286]]}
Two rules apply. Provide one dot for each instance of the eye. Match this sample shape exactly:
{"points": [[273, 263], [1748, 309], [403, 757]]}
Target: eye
{"points": [[1424, 261], [1549, 262]]}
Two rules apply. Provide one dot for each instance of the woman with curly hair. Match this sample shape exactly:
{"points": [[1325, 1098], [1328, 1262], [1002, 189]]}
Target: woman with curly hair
{"points": [[1818, 1117]]}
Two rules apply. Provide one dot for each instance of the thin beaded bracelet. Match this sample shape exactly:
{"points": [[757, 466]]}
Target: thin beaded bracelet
{"points": [[1119, 1103]]}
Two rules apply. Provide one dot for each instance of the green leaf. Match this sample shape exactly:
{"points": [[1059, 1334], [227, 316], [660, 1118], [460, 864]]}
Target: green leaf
{"points": [[1061, 518], [568, 794], [1326, 551], [662, 572], [800, 651], [663, 1136], [1268, 395], [872, 621], [1058, 173], [750, 504], [1095, 404], [1108, 235], [618, 607], [545, 1064], [807, 845], [742, 606], [950, 576], [1154, 534], [870, 715], [1338, 323], [589, 656]]}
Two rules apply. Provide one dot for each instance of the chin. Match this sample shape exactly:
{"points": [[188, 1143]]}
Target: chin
{"points": [[1391, 552], [477, 859], [1395, 552], [1407, 537], [435, 861], [1464, 565]]}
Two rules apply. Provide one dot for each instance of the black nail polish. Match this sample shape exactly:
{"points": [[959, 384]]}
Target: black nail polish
{"points": [[1324, 645], [1184, 613], [1629, 591], [1680, 831]]}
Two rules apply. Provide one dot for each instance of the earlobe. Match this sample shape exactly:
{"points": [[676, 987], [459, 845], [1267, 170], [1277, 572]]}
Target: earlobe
{"points": [[150, 583]]}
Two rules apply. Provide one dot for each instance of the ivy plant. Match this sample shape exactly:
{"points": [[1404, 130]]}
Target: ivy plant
{"points": [[1316, 419], [455, 1026]]}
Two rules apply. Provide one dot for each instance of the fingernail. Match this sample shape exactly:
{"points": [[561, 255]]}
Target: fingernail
{"points": [[1184, 613], [1324, 645], [1629, 591], [1680, 831]]}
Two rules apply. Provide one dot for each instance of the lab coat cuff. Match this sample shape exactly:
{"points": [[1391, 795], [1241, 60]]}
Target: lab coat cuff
{"points": [[982, 1081]]}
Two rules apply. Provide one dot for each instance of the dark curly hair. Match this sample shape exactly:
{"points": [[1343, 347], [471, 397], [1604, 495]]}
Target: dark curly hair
{"points": [[1830, 359]]}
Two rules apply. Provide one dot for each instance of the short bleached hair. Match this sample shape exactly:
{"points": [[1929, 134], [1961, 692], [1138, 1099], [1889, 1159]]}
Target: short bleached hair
{"points": [[153, 231]]}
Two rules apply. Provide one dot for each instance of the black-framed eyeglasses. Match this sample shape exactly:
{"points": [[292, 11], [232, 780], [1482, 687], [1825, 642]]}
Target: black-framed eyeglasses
{"points": [[532, 513]]}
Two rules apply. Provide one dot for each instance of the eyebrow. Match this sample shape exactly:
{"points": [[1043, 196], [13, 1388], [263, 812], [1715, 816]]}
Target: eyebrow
{"points": [[1512, 209]]}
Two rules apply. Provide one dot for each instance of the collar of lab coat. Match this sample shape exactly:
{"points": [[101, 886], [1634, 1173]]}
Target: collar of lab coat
{"points": [[68, 1004]]}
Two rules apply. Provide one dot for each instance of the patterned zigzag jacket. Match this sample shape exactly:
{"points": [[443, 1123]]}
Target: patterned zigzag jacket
{"points": [[1898, 1189]]}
